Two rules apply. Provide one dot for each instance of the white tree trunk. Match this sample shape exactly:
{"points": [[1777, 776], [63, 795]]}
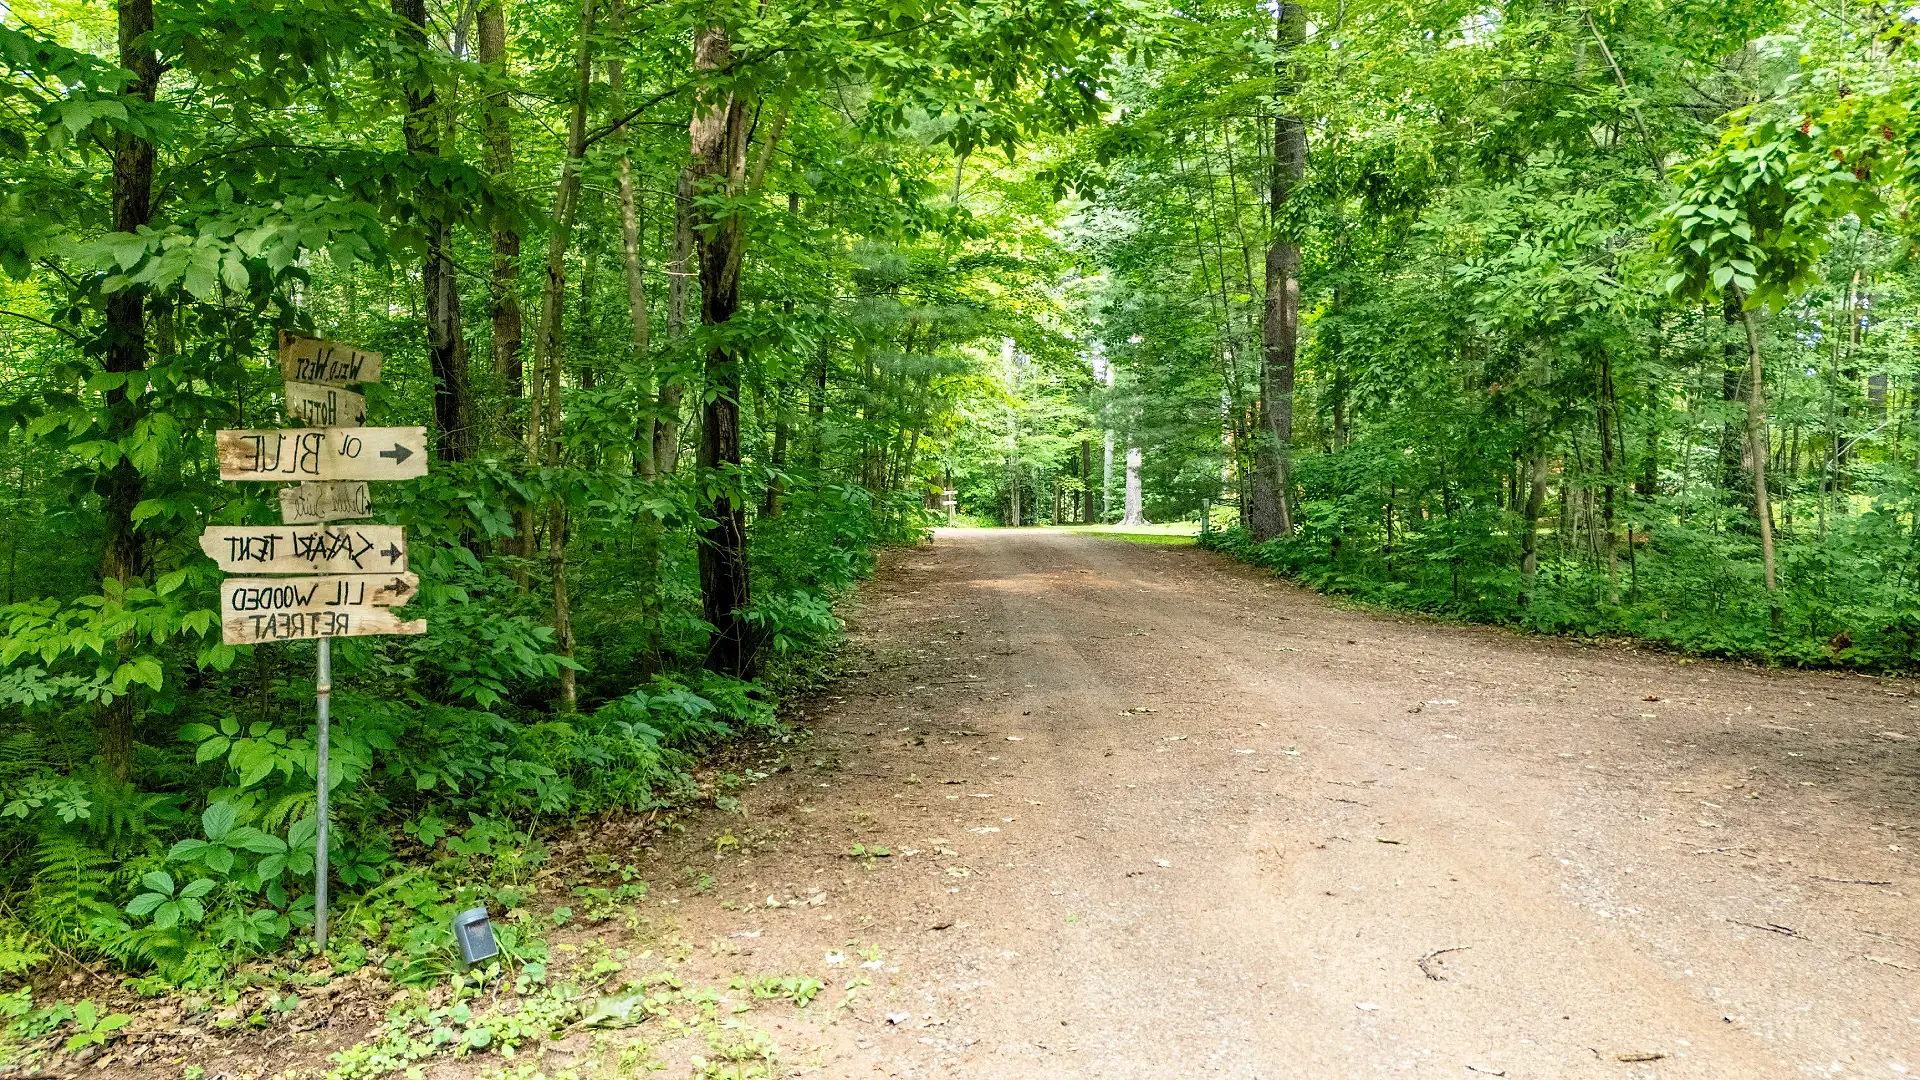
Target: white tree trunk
{"points": [[1134, 515]]}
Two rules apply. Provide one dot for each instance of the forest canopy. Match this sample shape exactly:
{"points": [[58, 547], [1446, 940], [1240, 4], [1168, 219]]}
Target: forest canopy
{"points": [[1588, 319]]}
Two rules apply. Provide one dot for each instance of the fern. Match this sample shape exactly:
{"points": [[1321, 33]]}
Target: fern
{"points": [[287, 809], [73, 896], [22, 754], [124, 819], [20, 949]]}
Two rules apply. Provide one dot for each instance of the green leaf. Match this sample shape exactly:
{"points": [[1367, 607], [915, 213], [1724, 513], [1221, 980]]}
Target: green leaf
{"points": [[197, 887], [145, 903], [233, 272], [258, 842], [159, 881], [218, 820]]}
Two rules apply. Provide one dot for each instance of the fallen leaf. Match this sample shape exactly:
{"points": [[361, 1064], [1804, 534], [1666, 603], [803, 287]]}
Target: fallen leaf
{"points": [[1388, 840]]}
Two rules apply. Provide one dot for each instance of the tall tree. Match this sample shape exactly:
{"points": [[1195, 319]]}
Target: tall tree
{"points": [[425, 129], [125, 358], [717, 135], [504, 282], [1271, 513]]}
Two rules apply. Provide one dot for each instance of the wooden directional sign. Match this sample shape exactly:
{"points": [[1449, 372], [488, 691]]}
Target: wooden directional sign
{"points": [[331, 363], [253, 610], [261, 627], [325, 406], [315, 502], [351, 453], [303, 549]]}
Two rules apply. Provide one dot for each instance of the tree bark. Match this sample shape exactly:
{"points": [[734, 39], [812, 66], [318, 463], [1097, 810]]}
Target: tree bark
{"points": [[440, 287], [1280, 328], [666, 431], [504, 284], [124, 557], [717, 136]]}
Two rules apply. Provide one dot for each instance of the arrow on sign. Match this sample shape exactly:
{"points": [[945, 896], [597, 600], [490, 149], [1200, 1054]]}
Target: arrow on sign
{"points": [[398, 453], [393, 552]]}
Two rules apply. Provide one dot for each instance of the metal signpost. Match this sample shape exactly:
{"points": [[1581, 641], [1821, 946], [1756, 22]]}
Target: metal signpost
{"points": [[350, 576]]}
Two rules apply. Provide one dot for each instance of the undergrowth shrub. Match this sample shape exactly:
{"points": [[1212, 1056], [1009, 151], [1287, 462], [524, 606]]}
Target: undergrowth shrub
{"points": [[448, 758]]}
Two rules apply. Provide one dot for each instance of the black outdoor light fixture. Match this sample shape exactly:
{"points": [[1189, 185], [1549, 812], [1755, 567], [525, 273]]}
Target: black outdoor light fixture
{"points": [[475, 935]]}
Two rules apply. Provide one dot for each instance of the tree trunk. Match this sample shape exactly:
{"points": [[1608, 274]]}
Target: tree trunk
{"points": [[124, 557], [1280, 328], [1530, 534], [1604, 417], [544, 417], [1013, 471], [775, 500], [717, 136], [817, 403], [562, 609], [1086, 481], [1106, 478], [440, 287], [1757, 444], [666, 431], [504, 285], [1134, 515], [549, 345], [1731, 479], [637, 315]]}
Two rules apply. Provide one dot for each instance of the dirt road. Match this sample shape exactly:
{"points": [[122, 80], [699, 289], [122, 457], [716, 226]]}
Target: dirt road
{"points": [[1150, 813]]}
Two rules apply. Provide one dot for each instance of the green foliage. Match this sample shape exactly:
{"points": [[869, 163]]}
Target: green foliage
{"points": [[158, 786]]}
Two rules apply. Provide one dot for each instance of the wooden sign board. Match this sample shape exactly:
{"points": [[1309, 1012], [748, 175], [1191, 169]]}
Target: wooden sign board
{"points": [[262, 627], [300, 549], [315, 502], [325, 406], [330, 363], [247, 596], [350, 453], [253, 610]]}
